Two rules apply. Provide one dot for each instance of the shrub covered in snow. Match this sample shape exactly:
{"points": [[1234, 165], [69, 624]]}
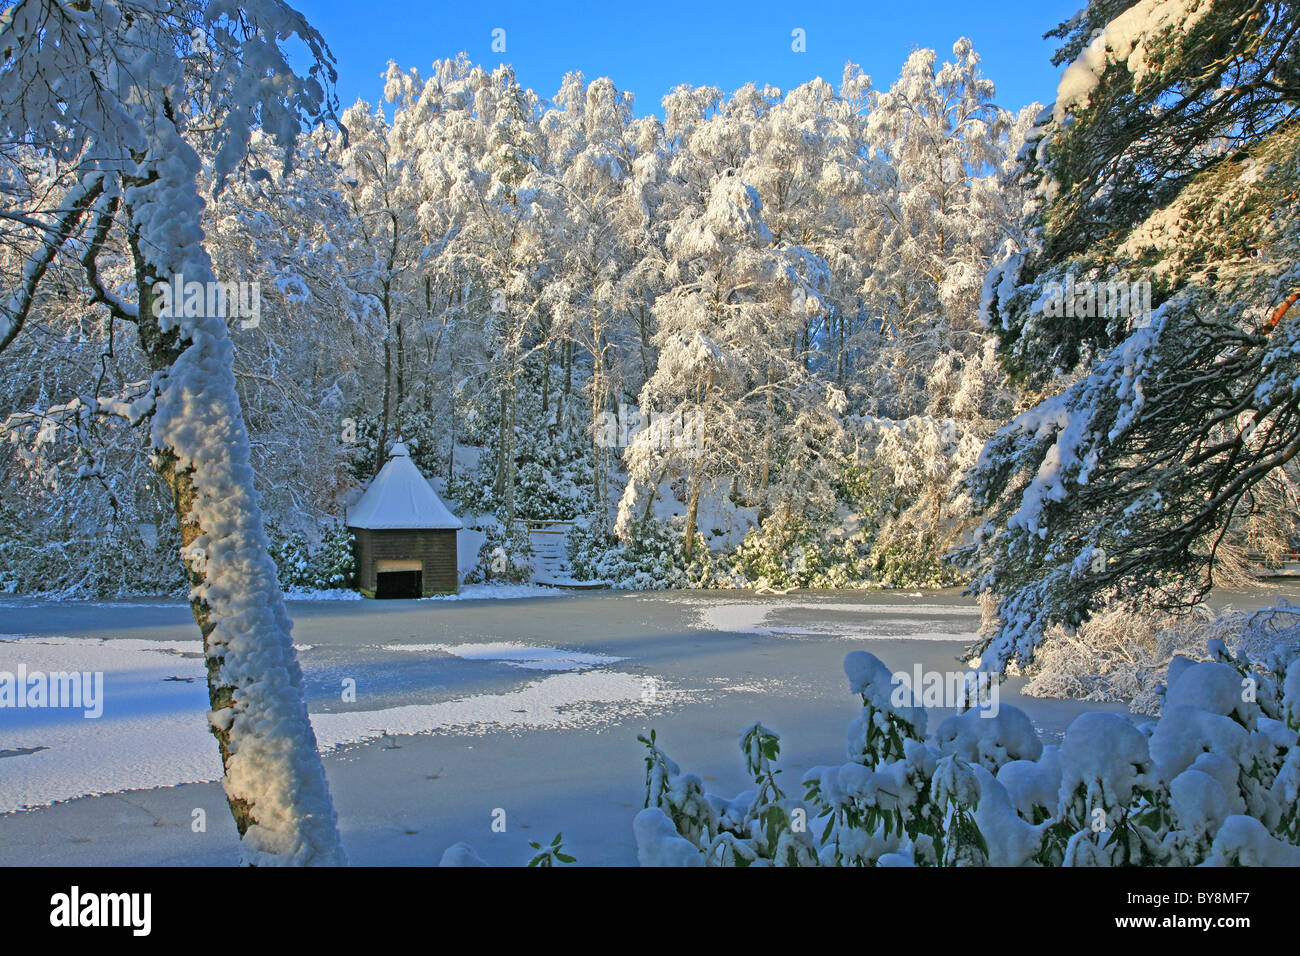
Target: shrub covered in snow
{"points": [[328, 565], [795, 552], [653, 556], [506, 557], [543, 473], [1122, 656], [291, 554], [1215, 780], [911, 557], [333, 564]]}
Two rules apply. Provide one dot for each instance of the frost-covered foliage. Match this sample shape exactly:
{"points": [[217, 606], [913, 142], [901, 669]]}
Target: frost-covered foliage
{"points": [[1122, 656], [904, 482], [329, 564], [552, 478], [1213, 781], [652, 556], [505, 556], [120, 560], [1159, 436], [550, 855], [796, 553]]}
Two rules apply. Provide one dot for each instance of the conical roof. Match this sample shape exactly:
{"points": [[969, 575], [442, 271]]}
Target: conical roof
{"points": [[401, 498]]}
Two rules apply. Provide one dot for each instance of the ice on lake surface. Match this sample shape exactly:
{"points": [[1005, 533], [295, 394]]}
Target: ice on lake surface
{"points": [[460, 707]]}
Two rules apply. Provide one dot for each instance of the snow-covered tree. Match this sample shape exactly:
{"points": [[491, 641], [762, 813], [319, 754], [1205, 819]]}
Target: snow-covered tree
{"points": [[1170, 157], [593, 239], [108, 89], [381, 185], [725, 335], [939, 141], [307, 366]]}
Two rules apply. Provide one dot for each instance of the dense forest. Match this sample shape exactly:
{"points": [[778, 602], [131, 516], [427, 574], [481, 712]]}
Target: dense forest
{"points": [[836, 336], [784, 285]]}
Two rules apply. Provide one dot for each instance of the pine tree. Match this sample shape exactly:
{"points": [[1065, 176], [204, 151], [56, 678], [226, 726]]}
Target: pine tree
{"points": [[1170, 157]]}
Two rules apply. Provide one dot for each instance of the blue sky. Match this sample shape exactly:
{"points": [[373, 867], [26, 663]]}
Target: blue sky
{"points": [[651, 47]]}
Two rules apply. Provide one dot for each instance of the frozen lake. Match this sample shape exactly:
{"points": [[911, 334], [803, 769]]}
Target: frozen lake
{"points": [[434, 714]]}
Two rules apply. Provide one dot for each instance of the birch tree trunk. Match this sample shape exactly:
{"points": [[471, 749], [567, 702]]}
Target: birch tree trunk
{"points": [[274, 780], [101, 86]]}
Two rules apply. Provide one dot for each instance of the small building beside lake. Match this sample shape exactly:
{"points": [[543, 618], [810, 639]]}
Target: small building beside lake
{"points": [[405, 537]]}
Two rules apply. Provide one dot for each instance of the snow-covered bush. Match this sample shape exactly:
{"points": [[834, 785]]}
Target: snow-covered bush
{"points": [[1116, 656], [911, 556], [552, 481], [1122, 656], [333, 565], [653, 556], [549, 490], [506, 557], [1215, 780], [796, 553], [291, 555], [330, 565]]}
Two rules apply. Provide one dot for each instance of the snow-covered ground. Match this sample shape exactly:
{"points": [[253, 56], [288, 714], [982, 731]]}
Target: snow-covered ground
{"points": [[432, 715]]}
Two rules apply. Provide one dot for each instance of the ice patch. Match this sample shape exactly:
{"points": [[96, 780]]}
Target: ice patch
{"points": [[868, 621], [516, 655], [154, 732], [559, 701]]}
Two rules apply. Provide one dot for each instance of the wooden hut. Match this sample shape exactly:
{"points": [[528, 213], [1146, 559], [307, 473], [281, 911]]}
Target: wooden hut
{"points": [[405, 536]]}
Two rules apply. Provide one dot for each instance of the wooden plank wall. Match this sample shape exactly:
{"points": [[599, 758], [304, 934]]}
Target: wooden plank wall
{"points": [[435, 550]]}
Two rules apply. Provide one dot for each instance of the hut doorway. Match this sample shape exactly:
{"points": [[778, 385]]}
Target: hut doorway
{"points": [[399, 579], [398, 584]]}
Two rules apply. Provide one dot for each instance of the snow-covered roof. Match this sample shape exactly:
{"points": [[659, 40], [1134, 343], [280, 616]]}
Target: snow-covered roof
{"points": [[401, 497]]}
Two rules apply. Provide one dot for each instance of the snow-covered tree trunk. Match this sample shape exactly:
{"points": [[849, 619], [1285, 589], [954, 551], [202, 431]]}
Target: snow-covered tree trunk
{"points": [[274, 781], [599, 398], [111, 86], [697, 474]]}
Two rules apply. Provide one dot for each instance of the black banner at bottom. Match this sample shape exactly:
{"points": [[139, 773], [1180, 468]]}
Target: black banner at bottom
{"points": [[231, 906]]}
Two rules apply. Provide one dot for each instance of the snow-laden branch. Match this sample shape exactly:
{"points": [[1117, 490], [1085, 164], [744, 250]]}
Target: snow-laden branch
{"points": [[15, 309]]}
